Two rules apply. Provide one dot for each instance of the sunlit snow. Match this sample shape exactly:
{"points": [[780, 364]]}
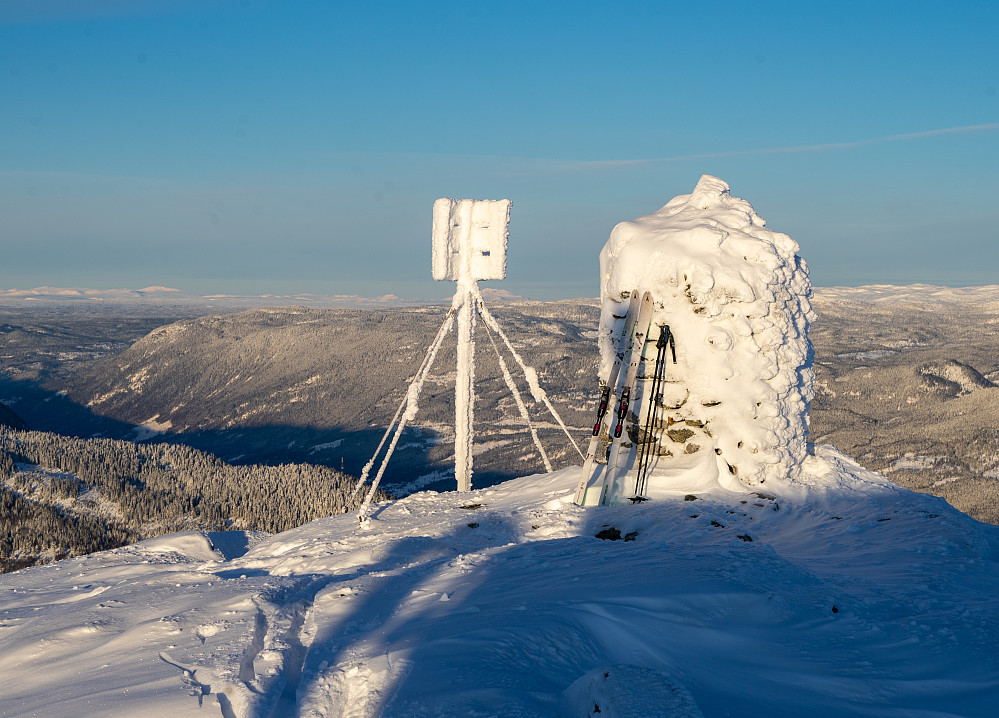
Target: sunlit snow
{"points": [[834, 593]]}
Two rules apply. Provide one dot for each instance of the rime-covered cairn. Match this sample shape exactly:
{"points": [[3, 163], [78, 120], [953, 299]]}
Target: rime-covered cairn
{"points": [[734, 408]]}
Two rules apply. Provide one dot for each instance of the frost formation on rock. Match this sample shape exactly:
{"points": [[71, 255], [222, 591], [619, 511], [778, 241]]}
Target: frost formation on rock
{"points": [[736, 296]]}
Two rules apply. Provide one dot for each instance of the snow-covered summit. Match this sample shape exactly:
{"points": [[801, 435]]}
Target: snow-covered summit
{"points": [[834, 594], [707, 239], [736, 298]]}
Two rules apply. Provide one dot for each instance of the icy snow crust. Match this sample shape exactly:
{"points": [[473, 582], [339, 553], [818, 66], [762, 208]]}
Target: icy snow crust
{"points": [[831, 594], [737, 300]]}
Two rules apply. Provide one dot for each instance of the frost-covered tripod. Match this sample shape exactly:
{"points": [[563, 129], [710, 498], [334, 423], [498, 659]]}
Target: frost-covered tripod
{"points": [[469, 244]]}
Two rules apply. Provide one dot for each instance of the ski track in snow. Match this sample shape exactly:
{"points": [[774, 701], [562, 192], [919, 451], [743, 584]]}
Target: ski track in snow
{"points": [[836, 593]]}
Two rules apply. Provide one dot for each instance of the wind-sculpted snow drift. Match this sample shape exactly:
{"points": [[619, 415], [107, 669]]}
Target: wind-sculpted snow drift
{"points": [[736, 297]]}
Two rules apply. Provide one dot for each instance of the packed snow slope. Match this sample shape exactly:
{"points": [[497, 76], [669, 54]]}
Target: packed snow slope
{"points": [[836, 593]]}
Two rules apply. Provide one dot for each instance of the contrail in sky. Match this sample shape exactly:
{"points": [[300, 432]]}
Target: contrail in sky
{"points": [[796, 148]]}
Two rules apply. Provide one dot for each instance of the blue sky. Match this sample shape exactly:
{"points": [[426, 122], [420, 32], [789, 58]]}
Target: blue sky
{"points": [[227, 146]]}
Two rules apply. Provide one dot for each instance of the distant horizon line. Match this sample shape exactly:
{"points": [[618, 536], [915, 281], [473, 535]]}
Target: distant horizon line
{"points": [[160, 292]]}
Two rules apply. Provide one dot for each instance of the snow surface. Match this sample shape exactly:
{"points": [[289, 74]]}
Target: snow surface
{"points": [[835, 593], [736, 297]]}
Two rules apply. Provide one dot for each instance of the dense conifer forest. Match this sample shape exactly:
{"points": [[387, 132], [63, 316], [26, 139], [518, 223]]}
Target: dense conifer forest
{"points": [[62, 496]]}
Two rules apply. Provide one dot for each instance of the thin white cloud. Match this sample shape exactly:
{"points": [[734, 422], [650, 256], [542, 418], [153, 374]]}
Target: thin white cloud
{"points": [[824, 147]]}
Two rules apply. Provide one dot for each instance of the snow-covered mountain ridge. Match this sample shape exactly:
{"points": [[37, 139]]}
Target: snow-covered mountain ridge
{"points": [[834, 593]]}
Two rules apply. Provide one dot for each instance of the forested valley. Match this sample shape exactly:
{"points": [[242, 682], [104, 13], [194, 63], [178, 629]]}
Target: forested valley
{"points": [[62, 496], [253, 419]]}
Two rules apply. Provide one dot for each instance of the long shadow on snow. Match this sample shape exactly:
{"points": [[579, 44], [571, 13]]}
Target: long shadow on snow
{"points": [[354, 623], [397, 649], [361, 601], [707, 605], [414, 640]]}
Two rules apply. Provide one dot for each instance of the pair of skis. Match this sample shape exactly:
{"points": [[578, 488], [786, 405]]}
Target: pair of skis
{"points": [[629, 346], [648, 449]]}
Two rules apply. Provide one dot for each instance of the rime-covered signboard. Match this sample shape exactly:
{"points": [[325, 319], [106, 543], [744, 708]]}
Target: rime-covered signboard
{"points": [[470, 234]]}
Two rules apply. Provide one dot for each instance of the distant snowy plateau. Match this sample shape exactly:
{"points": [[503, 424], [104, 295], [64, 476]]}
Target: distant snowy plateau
{"points": [[835, 593]]}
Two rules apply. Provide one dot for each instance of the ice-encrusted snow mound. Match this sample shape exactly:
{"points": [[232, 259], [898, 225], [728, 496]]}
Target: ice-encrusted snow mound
{"points": [[736, 297]]}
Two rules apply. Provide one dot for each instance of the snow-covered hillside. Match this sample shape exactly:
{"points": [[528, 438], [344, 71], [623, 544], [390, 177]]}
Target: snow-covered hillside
{"points": [[835, 593]]}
